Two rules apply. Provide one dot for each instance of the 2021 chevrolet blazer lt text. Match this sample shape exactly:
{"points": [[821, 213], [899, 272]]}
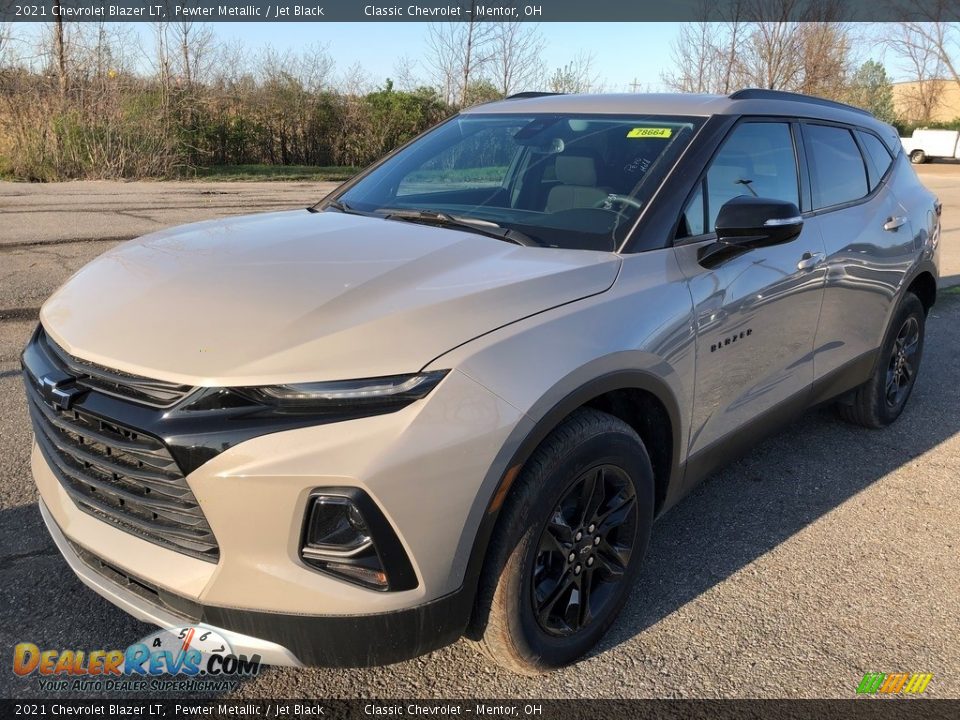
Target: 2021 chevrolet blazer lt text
{"points": [[451, 398]]}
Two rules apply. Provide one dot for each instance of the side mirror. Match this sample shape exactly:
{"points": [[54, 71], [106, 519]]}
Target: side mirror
{"points": [[750, 222]]}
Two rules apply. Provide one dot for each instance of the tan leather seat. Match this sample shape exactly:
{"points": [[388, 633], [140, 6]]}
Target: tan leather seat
{"points": [[578, 184]]}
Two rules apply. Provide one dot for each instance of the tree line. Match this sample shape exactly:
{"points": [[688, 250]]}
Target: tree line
{"points": [[821, 58], [88, 100]]}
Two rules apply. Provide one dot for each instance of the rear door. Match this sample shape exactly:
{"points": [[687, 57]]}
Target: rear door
{"points": [[868, 241], [755, 314]]}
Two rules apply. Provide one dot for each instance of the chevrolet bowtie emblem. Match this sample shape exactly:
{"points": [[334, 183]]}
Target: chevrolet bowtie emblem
{"points": [[62, 392]]}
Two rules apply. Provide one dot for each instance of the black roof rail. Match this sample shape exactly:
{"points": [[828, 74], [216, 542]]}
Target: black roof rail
{"points": [[760, 94], [531, 94]]}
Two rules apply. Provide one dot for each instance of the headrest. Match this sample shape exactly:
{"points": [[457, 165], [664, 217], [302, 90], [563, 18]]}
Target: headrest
{"points": [[576, 170]]}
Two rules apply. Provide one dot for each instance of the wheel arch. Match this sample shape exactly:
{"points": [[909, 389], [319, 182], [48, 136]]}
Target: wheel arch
{"points": [[924, 285], [640, 398]]}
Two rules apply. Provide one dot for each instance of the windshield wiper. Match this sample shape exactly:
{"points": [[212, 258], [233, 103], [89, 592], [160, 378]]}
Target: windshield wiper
{"points": [[476, 225], [341, 206]]}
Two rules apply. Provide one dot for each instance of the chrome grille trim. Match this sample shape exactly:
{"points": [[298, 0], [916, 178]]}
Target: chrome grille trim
{"points": [[145, 391]]}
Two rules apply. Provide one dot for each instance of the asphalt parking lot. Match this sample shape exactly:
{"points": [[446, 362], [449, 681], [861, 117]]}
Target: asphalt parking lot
{"points": [[826, 553]]}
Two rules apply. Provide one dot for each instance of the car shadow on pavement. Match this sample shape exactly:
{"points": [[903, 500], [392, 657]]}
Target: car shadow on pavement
{"points": [[788, 482]]}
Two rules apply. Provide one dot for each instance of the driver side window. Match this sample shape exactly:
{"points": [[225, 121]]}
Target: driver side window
{"points": [[757, 159]]}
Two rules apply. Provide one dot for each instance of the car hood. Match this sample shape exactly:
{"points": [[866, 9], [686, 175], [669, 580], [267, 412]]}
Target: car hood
{"points": [[300, 297]]}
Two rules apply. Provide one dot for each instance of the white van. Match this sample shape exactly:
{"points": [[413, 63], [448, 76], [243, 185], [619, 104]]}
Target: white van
{"points": [[928, 144]]}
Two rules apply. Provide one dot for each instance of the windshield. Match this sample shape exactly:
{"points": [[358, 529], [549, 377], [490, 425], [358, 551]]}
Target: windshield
{"points": [[567, 181]]}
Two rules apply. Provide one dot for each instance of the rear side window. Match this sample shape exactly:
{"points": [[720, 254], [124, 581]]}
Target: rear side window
{"points": [[837, 170], [757, 159], [878, 157]]}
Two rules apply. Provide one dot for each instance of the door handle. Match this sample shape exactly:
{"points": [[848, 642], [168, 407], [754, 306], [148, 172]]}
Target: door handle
{"points": [[895, 222], [810, 260]]}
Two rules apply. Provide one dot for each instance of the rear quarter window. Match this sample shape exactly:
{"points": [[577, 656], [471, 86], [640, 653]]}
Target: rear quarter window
{"points": [[837, 170], [878, 157]]}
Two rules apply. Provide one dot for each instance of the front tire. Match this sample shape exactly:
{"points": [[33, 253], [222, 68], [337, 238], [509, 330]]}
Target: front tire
{"points": [[568, 544], [880, 400]]}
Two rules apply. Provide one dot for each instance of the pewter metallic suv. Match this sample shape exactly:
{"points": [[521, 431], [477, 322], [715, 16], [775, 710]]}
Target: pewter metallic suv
{"points": [[452, 397]]}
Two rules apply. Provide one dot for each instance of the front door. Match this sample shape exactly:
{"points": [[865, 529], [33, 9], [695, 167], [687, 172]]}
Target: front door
{"points": [[755, 314]]}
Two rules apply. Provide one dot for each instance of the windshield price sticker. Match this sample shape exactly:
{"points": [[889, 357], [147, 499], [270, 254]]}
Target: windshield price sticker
{"points": [[650, 133]]}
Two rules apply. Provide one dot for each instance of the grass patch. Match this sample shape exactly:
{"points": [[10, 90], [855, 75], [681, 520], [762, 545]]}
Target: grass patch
{"points": [[242, 173], [493, 174]]}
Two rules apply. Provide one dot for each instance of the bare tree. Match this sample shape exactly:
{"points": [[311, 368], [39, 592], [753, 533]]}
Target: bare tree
{"points": [[230, 64], [59, 48], [938, 43], [924, 62], [314, 67], [807, 57], [732, 34], [161, 60], [515, 52], [405, 73], [475, 51], [443, 58], [6, 33], [192, 42], [694, 59], [706, 55], [826, 48], [458, 53], [355, 81], [800, 45], [577, 76]]}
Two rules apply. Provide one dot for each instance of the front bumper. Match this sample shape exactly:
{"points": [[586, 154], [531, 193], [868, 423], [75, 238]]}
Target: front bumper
{"points": [[279, 639]]}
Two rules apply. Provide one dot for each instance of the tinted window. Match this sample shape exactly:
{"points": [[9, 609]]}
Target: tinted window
{"points": [[694, 222], [574, 181], [878, 157], [837, 170], [479, 161], [757, 159]]}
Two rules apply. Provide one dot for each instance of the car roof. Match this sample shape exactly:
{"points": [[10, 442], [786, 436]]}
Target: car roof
{"points": [[743, 102], [612, 104]]}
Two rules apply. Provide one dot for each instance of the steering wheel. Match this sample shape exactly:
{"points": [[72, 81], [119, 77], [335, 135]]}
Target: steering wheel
{"points": [[616, 199]]}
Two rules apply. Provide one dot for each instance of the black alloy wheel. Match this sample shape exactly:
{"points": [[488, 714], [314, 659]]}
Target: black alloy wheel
{"points": [[584, 550], [881, 399], [901, 369]]}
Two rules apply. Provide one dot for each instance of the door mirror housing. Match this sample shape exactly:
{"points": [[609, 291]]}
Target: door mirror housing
{"points": [[757, 222], [747, 222]]}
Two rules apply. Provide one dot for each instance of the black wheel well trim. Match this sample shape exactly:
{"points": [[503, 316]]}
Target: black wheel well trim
{"points": [[924, 268], [525, 446], [921, 268]]}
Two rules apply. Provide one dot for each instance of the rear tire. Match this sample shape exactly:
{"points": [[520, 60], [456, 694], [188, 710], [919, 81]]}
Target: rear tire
{"points": [[880, 400], [918, 157], [576, 526]]}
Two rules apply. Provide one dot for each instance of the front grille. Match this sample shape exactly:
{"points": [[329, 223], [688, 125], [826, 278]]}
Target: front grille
{"points": [[117, 474], [155, 393]]}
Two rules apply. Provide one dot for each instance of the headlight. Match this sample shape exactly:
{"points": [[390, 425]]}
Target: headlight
{"points": [[327, 401], [370, 391]]}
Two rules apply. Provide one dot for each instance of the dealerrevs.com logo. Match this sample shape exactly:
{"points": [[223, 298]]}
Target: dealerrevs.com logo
{"points": [[178, 659]]}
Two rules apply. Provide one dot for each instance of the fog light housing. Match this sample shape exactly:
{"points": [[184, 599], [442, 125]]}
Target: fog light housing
{"points": [[336, 526], [346, 535]]}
